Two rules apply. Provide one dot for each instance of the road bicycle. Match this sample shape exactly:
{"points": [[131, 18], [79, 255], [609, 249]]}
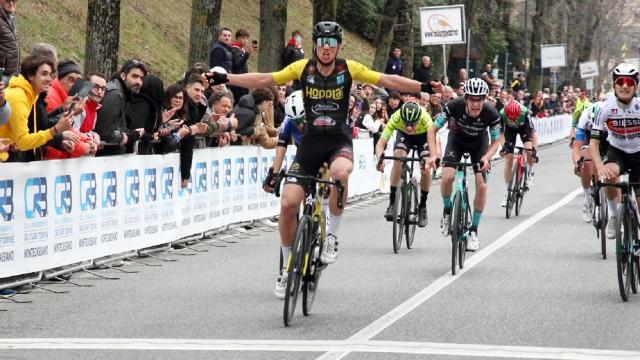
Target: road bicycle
{"points": [[405, 211], [627, 245], [460, 222], [518, 185], [599, 215], [303, 265]]}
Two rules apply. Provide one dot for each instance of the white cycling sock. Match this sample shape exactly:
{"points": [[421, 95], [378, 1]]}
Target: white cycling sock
{"points": [[506, 186], [334, 224], [529, 170], [587, 192], [612, 206], [286, 250]]}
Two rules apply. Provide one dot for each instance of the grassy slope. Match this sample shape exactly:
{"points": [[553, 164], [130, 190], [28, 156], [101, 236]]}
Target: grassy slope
{"points": [[157, 31]]}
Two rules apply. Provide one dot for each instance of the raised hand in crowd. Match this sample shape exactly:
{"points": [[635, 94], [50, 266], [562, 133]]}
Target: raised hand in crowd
{"points": [[233, 136], [223, 139], [168, 114], [140, 132], [65, 123], [5, 144], [70, 135], [124, 140], [184, 131], [68, 145], [199, 128]]}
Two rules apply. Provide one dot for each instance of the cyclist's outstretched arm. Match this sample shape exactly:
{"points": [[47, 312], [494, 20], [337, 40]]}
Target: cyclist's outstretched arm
{"points": [[400, 83], [251, 80]]}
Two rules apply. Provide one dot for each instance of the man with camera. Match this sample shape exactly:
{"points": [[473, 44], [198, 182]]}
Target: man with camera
{"points": [[240, 52]]}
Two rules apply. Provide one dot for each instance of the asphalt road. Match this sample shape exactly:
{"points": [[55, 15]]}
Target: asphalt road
{"points": [[537, 288]]}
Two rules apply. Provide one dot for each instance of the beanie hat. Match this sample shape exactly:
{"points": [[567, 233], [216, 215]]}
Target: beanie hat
{"points": [[66, 67]]}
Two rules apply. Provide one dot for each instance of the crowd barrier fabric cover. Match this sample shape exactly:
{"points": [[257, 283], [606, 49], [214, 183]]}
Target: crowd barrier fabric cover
{"points": [[56, 213]]}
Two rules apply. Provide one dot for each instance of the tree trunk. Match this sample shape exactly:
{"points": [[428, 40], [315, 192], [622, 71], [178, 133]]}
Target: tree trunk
{"points": [[534, 81], [324, 10], [273, 24], [103, 37], [403, 36], [384, 35], [205, 21]]}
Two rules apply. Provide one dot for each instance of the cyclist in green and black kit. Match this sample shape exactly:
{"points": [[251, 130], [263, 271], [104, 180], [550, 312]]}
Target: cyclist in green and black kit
{"points": [[412, 124]]}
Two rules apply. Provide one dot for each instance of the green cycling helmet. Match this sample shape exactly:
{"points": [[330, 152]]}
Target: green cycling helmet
{"points": [[410, 112]]}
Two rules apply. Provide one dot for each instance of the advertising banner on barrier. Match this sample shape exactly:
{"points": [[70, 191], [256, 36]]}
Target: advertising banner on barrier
{"points": [[60, 212]]}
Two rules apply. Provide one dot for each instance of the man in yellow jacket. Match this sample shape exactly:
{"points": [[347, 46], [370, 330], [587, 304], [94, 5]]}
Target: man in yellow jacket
{"points": [[34, 79]]}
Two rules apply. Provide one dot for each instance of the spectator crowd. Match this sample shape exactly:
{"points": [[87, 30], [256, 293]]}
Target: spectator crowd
{"points": [[52, 109]]}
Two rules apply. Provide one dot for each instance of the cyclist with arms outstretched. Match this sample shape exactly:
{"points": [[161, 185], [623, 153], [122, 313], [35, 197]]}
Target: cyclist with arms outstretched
{"points": [[325, 83], [469, 117], [411, 123]]}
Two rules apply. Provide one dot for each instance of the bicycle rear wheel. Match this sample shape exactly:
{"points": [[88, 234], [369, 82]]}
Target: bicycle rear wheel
{"points": [[456, 231], [603, 214], [623, 262], [522, 177], [411, 221], [399, 211], [313, 268], [294, 267]]}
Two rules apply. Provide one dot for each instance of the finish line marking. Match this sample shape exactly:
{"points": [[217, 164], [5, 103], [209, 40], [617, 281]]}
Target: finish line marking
{"points": [[371, 346], [403, 309]]}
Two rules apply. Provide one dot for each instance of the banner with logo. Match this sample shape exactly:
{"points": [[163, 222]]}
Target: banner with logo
{"points": [[60, 212], [442, 25], [589, 69], [553, 55]]}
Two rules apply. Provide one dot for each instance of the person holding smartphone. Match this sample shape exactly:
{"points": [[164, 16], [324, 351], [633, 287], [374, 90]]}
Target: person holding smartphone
{"points": [[241, 50]]}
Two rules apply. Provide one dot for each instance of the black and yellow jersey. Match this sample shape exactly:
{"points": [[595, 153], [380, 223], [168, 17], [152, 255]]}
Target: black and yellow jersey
{"points": [[326, 99]]}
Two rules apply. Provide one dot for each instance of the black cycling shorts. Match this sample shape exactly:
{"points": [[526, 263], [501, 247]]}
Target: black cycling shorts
{"points": [[407, 142], [457, 146], [627, 163], [317, 150], [526, 135]]}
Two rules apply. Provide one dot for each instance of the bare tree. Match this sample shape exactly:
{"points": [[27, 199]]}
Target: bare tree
{"points": [[103, 36], [324, 10], [403, 36], [384, 37], [273, 23], [205, 21]]}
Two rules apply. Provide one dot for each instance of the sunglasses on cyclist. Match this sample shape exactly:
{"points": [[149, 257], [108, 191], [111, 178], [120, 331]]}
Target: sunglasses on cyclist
{"points": [[332, 42], [621, 81]]}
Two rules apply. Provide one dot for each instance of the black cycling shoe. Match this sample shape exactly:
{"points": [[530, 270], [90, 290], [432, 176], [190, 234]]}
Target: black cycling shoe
{"points": [[389, 214]]}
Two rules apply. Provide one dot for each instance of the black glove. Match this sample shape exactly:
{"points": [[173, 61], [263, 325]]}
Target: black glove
{"points": [[217, 79], [270, 181]]}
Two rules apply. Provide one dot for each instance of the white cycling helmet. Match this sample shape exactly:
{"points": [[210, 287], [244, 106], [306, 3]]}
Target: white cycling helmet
{"points": [[626, 70], [294, 106], [476, 87]]}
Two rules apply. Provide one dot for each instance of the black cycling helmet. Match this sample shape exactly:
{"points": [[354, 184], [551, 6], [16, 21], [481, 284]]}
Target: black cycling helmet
{"points": [[410, 112], [327, 29]]}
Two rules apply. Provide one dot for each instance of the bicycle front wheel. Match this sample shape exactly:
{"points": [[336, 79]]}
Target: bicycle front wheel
{"points": [[399, 211], [411, 220], [602, 222], [295, 266], [511, 191], [521, 190], [623, 258], [456, 231], [314, 268]]}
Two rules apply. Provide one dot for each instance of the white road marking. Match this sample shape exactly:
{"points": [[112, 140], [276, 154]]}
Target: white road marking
{"points": [[392, 316], [397, 347]]}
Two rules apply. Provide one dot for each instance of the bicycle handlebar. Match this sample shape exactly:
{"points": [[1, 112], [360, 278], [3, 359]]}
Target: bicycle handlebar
{"points": [[336, 183]]}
